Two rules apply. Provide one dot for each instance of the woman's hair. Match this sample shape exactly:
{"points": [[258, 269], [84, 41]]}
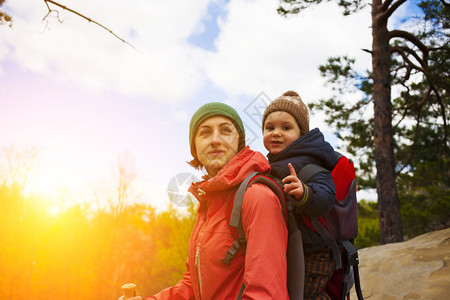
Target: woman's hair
{"points": [[196, 164]]}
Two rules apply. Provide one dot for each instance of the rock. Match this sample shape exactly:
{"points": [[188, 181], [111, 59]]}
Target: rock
{"points": [[414, 269]]}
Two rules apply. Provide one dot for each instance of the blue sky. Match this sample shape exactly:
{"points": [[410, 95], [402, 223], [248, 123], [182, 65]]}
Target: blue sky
{"points": [[84, 98]]}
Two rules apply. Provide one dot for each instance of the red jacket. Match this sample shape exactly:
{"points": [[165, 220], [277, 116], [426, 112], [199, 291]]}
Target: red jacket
{"points": [[264, 273]]}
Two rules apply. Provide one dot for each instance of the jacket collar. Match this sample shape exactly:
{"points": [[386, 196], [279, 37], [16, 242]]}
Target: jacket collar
{"points": [[234, 172]]}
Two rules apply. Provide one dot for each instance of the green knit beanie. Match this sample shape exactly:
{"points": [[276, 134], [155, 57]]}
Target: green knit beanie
{"points": [[215, 109]]}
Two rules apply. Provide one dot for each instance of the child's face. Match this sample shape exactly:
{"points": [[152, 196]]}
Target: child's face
{"points": [[280, 130]]}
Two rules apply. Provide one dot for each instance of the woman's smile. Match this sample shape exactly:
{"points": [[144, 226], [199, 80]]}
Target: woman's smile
{"points": [[216, 152]]}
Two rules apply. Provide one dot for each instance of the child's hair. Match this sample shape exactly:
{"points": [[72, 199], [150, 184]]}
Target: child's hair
{"points": [[290, 102]]}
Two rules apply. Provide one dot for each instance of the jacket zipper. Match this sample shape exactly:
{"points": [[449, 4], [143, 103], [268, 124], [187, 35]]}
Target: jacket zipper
{"points": [[200, 193], [197, 264]]}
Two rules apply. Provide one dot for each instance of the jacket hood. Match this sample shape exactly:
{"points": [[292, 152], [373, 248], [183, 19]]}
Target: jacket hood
{"points": [[308, 148], [235, 171]]}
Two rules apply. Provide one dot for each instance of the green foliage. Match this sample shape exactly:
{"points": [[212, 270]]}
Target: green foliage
{"points": [[288, 7], [352, 120], [368, 229], [425, 205], [438, 15], [80, 254], [419, 76], [172, 231], [420, 69]]}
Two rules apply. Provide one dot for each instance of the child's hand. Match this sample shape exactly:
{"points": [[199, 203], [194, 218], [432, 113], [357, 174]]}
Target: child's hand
{"points": [[295, 187]]}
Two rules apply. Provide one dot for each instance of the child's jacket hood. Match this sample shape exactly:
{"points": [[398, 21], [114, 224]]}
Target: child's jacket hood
{"points": [[309, 148]]}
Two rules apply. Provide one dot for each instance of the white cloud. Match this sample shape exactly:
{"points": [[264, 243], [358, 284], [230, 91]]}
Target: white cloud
{"points": [[165, 67], [258, 50]]}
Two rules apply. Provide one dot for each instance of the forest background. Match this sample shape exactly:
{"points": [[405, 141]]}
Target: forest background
{"points": [[87, 252]]}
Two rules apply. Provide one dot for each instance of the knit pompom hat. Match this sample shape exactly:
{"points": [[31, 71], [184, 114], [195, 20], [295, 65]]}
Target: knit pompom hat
{"points": [[290, 102], [215, 109]]}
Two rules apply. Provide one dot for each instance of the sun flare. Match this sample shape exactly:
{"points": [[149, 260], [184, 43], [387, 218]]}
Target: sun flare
{"points": [[58, 179], [47, 180], [54, 210]]}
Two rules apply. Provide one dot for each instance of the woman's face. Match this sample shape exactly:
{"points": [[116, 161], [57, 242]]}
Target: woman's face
{"points": [[216, 142]]}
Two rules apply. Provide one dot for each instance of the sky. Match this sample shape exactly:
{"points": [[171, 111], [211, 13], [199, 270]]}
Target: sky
{"points": [[86, 99]]}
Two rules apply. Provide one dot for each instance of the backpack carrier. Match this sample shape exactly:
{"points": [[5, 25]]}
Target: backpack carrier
{"points": [[338, 229]]}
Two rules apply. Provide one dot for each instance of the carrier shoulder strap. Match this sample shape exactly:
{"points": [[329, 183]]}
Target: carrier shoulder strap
{"points": [[309, 171], [295, 256], [329, 239], [235, 218], [305, 174], [353, 260]]}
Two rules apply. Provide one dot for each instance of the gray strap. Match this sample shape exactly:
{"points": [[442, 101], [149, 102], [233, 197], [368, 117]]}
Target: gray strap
{"points": [[238, 199], [277, 190], [295, 261], [349, 278], [352, 253], [309, 171], [241, 292], [235, 219], [329, 239]]}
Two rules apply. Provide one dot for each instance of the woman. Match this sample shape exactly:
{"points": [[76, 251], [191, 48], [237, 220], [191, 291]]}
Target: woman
{"points": [[217, 141]]}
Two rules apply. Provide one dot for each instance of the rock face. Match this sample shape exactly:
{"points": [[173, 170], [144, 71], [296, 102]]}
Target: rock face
{"points": [[415, 269]]}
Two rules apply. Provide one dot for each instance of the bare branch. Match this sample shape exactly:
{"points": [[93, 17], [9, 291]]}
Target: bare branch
{"points": [[385, 5], [409, 37], [82, 16], [422, 102], [444, 118], [401, 51], [20, 162], [385, 9], [393, 7]]}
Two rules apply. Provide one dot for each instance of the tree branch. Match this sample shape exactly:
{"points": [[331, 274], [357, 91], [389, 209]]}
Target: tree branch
{"points": [[82, 16], [403, 50], [402, 53], [422, 102], [385, 5], [409, 37], [444, 118], [393, 7], [445, 3]]}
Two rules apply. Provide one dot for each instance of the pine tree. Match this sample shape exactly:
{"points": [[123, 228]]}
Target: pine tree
{"points": [[393, 138]]}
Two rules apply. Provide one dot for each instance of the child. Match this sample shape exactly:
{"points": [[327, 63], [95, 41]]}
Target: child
{"points": [[291, 146]]}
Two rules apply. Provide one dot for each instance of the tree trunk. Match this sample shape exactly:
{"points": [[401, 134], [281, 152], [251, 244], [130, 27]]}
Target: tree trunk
{"points": [[388, 204]]}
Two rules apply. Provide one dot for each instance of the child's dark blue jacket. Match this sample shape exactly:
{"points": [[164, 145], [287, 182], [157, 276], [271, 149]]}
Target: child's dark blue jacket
{"points": [[309, 148]]}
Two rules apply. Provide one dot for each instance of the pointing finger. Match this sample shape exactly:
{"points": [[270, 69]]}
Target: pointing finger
{"points": [[292, 170]]}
